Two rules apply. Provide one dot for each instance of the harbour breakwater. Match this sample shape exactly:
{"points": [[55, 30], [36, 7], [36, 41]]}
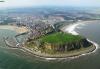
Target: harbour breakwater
{"points": [[14, 42]]}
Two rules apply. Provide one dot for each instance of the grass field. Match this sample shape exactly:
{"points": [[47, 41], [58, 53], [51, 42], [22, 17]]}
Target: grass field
{"points": [[61, 38]]}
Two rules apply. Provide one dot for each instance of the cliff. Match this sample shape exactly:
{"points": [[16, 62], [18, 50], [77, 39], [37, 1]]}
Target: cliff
{"points": [[60, 42], [68, 46]]}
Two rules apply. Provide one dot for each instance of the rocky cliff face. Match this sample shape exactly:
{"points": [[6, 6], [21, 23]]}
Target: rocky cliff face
{"points": [[67, 46]]}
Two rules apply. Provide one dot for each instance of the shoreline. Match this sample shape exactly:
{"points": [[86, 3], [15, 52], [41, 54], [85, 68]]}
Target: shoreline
{"points": [[70, 29], [19, 30], [71, 54], [15, 28], [67, 29]]}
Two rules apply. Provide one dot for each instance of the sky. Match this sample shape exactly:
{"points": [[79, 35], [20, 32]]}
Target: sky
{"points": [[29, 3]]}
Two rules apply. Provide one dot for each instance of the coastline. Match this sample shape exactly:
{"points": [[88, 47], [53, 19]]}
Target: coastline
{"points": [[60, 56], [19, 30], [69, 29]]}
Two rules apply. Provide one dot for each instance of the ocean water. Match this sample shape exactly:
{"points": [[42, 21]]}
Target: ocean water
{"points": [[16, 59]]}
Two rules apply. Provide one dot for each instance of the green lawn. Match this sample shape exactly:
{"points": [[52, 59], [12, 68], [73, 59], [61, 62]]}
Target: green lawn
{"points": [[60, 38]]}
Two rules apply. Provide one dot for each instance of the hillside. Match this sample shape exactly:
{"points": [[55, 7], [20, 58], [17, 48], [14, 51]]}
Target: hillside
{"points": [[60, 38]]}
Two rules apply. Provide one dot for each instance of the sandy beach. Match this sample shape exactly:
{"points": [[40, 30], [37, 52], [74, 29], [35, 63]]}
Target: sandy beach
{"points": [[71, 27], [19, 30]]}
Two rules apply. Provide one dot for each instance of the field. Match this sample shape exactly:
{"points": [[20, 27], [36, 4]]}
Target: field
{"points": [[60, 38]]}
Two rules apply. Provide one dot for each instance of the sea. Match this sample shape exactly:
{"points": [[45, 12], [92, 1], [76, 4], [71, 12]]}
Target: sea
{"points": [[18, 59]]}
